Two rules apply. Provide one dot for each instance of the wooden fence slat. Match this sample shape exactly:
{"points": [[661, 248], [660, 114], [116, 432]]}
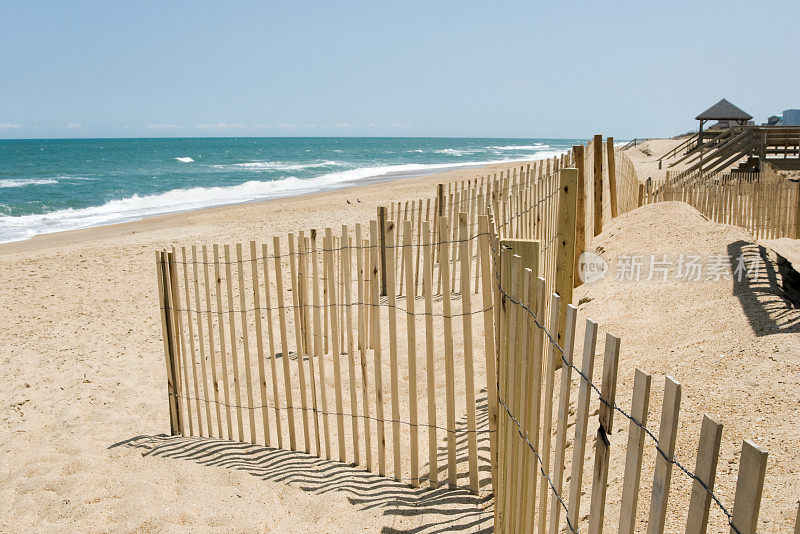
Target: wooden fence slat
{"points": [[580, 211], [419, 244], [246, 345], [262, 380], [522, 360], [192, 349], [563, 415], [276, 401], [427, 292], [411, 335], [347, 302], [597, 177], [319, 354], [510, 283], [666, 443], [222, 355], [565, 253], [335, 352], [469, 371], [299, 320], [211, 348], [391, 292], [547, 420], [518, 399], [376, 348], [303, 273], [633, 455], [444, 246], [489, 342], [287, 379], [200, 340], [602, 444], [452, 223], [749, 486], [612, 177], [166, 334], [533, 412], [184, 392], [705, 471], [237, 385], [361, 266]]}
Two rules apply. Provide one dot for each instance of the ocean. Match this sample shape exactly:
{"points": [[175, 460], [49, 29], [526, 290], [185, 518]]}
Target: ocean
{"points": [[51, 185]]}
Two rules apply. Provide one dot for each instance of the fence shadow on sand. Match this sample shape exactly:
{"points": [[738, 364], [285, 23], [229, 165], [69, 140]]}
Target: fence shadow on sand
{"points": [[431, 511], [771, 297]]}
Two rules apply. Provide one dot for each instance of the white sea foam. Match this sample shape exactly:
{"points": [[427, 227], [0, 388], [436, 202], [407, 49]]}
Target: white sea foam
{"points": [[21, 182], [280, 166], [185, 159], [137, 207], [537, 146], [456, 152]]}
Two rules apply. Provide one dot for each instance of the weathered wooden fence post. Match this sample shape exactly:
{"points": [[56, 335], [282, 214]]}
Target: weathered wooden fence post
{"points": [[666, 444], [565, 253], [597, 176], [167, 336], [705, 470], [612, 177], [749, 485], [516, 255], [487, 287], [580, 210], [602, 443], [633, 456], [382, 237]]}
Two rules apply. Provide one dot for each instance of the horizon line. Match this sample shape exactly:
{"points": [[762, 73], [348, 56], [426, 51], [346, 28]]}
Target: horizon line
{"points": [[93, 138]]}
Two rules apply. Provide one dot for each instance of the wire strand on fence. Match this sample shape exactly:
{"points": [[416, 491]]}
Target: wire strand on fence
{"points": [[340, 248], [617, 408]]}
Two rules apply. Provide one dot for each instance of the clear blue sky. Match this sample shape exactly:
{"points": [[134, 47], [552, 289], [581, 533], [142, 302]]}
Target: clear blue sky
{"points": [[432, 68]]}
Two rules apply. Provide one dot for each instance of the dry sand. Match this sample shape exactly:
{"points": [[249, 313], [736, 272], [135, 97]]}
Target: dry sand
{"points": [[85, 403], [81, 355], [645, 157], [734, 346]]}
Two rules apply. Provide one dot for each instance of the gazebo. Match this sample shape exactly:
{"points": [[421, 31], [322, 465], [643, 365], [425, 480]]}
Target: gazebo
{"points": [[722, 111]]}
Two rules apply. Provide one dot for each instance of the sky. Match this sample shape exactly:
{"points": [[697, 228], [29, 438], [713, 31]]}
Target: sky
{"points": [[377, 68]]}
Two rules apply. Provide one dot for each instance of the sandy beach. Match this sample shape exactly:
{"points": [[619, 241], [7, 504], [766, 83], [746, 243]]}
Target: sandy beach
{"points": [[83, 357], [84, 427]]}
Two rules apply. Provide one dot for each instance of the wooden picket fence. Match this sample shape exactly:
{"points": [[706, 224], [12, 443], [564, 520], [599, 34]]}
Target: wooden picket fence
{"points": [[534, 446], [371, 344], [764, 203]]}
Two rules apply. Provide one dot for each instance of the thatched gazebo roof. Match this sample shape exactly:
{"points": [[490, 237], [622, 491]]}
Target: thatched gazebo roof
{"points": [[724, 111]]}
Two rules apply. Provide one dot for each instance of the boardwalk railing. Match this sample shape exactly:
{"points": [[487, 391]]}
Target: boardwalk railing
{"points": [[419, 341]]}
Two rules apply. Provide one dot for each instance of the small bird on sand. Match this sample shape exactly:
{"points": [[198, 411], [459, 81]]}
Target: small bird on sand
{"points": [[349, 202], [358, 200]]}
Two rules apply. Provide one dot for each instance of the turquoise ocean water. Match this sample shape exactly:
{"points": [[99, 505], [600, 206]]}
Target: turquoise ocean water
{"points": [[65, 184]]}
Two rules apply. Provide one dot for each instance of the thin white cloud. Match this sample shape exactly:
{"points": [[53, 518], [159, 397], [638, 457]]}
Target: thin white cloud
{"points": [[162, 127], [9, 125], [74, 126], [222, 126]]}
